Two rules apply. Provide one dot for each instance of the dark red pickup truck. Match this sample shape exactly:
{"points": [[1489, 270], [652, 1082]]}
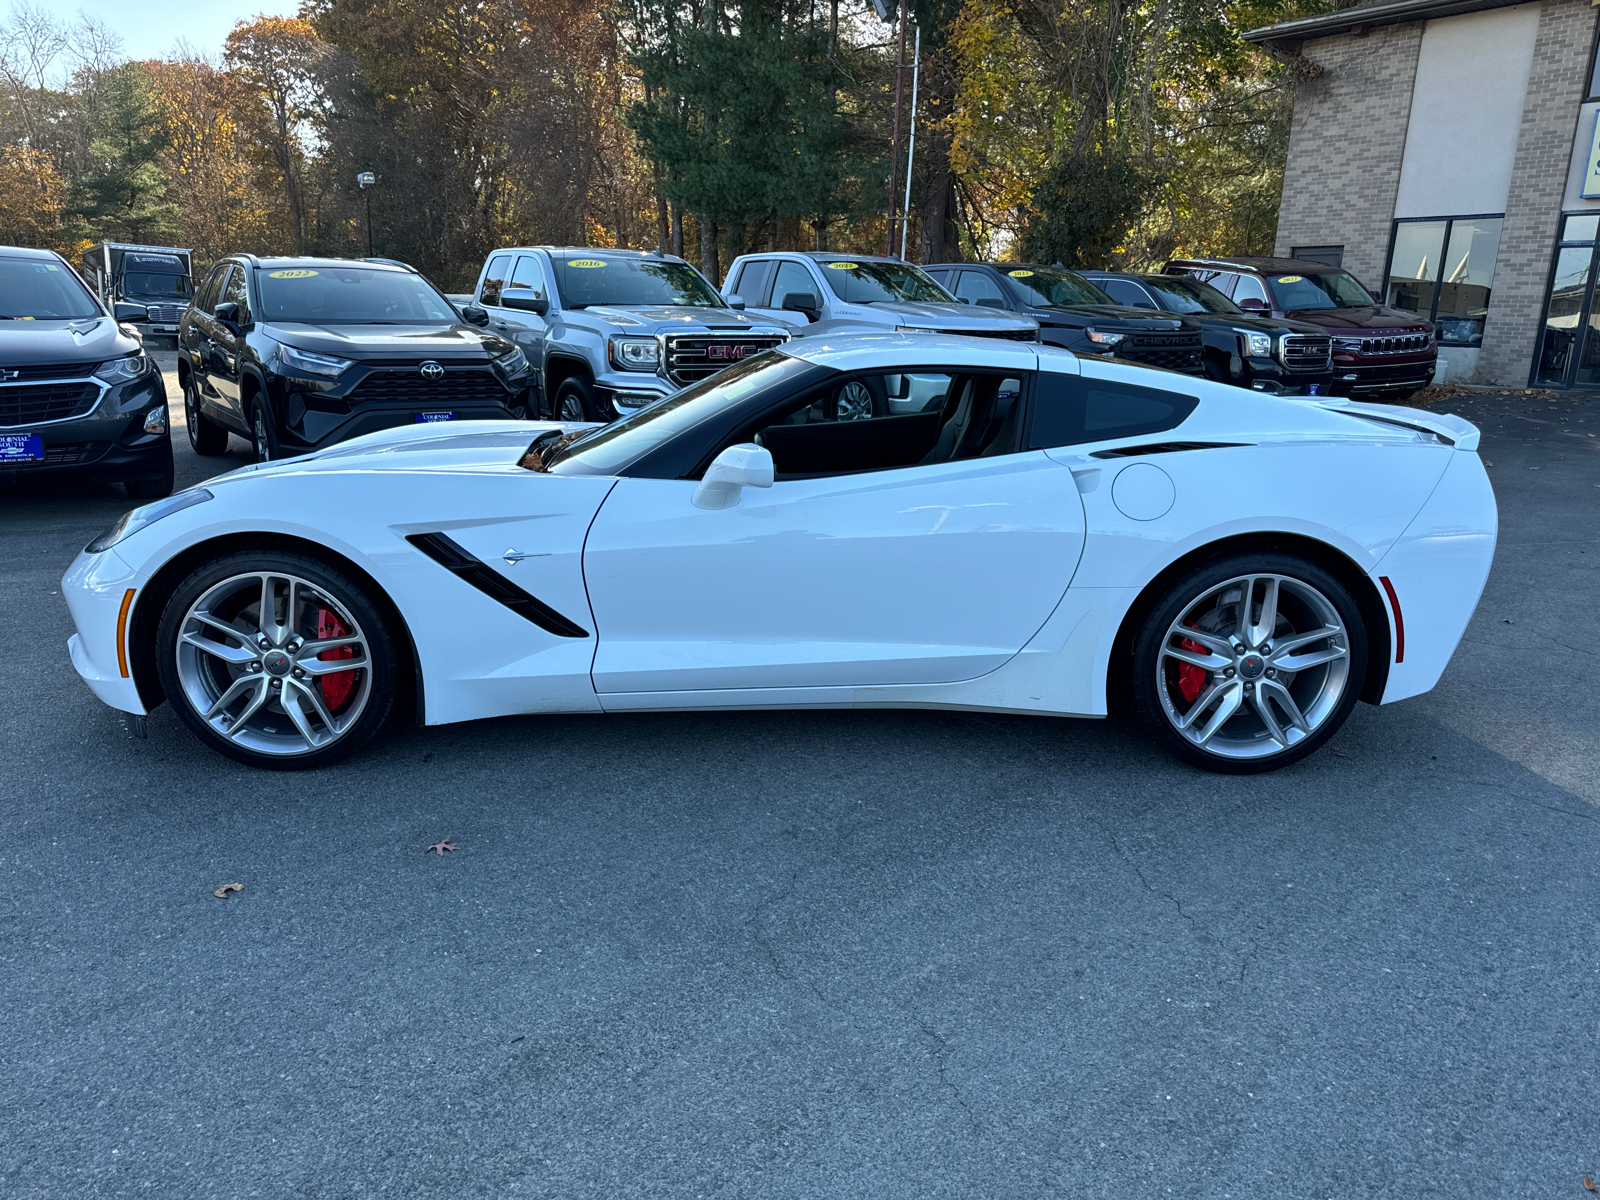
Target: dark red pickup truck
{"points": [[1379, 353]]}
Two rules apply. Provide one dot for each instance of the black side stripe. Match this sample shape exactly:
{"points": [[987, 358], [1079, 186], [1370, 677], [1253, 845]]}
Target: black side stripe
{"points": [[453, 557], [1163, 448]]}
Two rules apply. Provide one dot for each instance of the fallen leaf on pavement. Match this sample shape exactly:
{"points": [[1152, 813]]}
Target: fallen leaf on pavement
{"points": [[1589, 1185], [440, 847], [222, 892]]}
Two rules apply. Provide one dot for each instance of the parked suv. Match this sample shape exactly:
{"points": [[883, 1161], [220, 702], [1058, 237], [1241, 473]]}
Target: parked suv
{"points": [[1379, 353], [1265, 354], [609, 331], [1074, 313], [816, 293], [78, 394], [297, 353]]}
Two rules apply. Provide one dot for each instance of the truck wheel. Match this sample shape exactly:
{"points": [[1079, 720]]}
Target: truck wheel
{"points": [[860, 399], [206, 437], [575, 401]]}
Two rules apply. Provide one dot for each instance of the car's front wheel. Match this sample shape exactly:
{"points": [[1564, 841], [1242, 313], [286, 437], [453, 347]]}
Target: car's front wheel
{"points": [[277, 660], [262, 438], [575, 401], [206, 437], [1249, 663]]}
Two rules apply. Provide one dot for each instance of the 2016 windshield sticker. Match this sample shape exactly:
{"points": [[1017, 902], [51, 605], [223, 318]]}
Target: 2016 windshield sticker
{"points": [[844, 266], [1019, 274], [290, 274], [1290, 278], [585, 262]]}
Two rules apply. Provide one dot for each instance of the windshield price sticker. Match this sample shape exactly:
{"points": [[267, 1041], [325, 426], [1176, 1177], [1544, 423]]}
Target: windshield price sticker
{"points": [[585, 262], [1019, 274], [844, 266], [1290, 278], [290, 274]]}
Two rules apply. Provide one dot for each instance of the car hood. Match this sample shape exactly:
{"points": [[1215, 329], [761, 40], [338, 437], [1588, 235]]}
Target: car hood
{"points": [[359, 341], [1368, 316], [951, 316], [1131, 318], [43, 343], [668, 318]]}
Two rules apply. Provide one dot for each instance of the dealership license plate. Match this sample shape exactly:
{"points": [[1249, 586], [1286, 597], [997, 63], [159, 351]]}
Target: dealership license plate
{"points": [[20, 447], [1313, 389], [165, 328], [431, 418]]}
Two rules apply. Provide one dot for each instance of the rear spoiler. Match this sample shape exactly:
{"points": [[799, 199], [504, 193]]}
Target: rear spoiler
{"points": [[1447, 427]]}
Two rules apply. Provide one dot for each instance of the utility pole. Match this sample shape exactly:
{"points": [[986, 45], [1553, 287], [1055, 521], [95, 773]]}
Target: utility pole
{"points": [[894, 152], [366, 179]]}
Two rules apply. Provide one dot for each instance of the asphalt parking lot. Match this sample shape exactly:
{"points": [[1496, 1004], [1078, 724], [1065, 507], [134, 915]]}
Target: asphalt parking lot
{"points": [[865, 954]]}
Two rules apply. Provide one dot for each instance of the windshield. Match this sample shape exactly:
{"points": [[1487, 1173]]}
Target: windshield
{"points": [[869, 283], [1044, 286], [1335, 289], [142, 284], [615, 445], [32, 290], [1180, 295], [585, 279], [326, 295]]}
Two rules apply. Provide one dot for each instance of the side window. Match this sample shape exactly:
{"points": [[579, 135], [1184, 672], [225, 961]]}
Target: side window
{"points": [[751, 286], [1123, 292], [206, 298], [792, 277], [1249, 288], [494, 279], [974, 287], [1224, 282], [1071, 409], [237, 292], [528, 274], [220, 293]]}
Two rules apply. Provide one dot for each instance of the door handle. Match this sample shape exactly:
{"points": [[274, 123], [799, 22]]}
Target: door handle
{"points": [[514, 556]]}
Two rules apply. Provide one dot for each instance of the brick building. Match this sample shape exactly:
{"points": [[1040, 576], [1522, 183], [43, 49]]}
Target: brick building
{"points": [[1446, 153]]}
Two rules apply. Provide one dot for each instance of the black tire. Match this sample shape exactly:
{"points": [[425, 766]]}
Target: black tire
{"points": [[577, 394], [206, 437], [1157, 675], [153, 487], [381, 660], [844, 403], [263, 437]]}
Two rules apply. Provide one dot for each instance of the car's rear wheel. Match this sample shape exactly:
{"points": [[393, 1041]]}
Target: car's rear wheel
{"points": [[1249, 663], [206, 437], [277, 660], [575, 401]]}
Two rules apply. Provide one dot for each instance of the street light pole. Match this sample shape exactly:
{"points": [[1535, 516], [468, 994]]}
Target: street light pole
{"points": [[894, 152], [366, 179]]}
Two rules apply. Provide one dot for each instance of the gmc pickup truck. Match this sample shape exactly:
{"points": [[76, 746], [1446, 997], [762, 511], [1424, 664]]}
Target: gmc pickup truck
{"points": [[610, 331]]}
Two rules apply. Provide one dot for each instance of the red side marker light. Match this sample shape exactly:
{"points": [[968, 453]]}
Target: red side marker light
{"points": [[1399, 621]]}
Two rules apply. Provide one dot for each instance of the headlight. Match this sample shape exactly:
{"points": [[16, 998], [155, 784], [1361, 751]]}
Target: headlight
{"points": [[1256, 345], [513, 361], [324, 365], [136, 519], [1104, 339], [635, 353], [121, 370]]}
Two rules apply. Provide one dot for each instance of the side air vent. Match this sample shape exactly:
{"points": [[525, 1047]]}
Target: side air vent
{"points": [[1162, 448], [453, 557]]}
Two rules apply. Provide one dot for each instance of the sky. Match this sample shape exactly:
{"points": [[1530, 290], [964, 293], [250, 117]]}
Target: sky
{"points": [[150, 28]]}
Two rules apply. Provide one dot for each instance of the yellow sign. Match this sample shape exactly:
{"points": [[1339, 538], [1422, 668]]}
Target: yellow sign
{"points": [[585, 262], [844, 266], [1290, 278], [290, 274], [1591, 176], [1019, 274]]}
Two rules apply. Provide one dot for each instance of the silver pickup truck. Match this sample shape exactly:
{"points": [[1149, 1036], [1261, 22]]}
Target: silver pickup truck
{"points": [[815, 293], [609, 331]]}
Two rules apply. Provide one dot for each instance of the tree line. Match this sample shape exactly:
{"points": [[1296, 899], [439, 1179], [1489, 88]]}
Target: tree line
{"points": [[1099, 133]]}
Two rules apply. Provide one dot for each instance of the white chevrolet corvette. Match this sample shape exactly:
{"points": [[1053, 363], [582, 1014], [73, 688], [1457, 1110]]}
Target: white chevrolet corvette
{"points": [[911, 521]]}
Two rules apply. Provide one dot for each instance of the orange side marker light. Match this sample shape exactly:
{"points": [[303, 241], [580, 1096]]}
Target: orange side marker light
{"points": [[122, 632]]}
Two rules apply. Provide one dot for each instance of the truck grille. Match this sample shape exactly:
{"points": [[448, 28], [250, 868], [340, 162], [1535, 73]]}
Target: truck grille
{"points": [[167, 314], [460, 385], [1410, 343], [31, 405], [1306, 352], [695, 356], [1175, 351]]}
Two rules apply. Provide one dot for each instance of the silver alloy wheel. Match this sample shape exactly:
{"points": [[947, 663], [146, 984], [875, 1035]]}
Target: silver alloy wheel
{"points": [[263, 443], [191, 415], [572, 408], [1273, 657], [249, 660], [854, 403]]}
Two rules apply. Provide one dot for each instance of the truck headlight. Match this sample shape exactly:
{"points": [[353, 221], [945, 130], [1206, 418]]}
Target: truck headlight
{"points": [[635, 353], [324, 366], [1104, 339], [121, 370], [1256, 345]]}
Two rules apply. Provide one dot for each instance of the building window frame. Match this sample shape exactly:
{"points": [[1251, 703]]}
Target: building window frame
{"points": [[1432, 314], [1564, 242], [1592, 92]]}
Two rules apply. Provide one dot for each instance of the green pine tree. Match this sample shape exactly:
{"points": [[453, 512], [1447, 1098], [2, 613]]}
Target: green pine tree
{"points": [[123, 194]]}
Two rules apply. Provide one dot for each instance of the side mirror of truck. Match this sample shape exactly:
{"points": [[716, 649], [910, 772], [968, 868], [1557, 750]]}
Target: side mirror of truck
{"points": [[130, 312], [734, 302], [473, 315], [1251, 304], [529, 303], [804, 303], [991, 302]]}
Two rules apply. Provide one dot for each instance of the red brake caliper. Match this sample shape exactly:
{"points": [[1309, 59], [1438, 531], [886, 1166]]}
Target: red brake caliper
{"points": [[336, 687], [1192, 680]]}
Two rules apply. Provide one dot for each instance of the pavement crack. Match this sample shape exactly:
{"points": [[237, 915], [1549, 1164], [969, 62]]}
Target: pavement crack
{"points": [[941, 1064], [758, 934]]}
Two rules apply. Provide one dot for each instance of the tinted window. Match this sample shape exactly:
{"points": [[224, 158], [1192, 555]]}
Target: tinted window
{"points": [[31, 289], [1180, 294], [871, 282], [206, 298], [164, 286], [528, 274], [1070, 409], [494, 279], [792, 278], [975, 287], [1047, 286], [237, 292], [1333, 289], [218, 293], [589, 277], [354, 295], [1127, 293], [1249, 288], [751, 286]]}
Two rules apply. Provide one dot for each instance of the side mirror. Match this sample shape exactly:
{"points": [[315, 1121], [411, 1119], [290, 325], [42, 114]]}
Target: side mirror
{"points": [[1252, 304], [991, 302], [228, 315], [534, 304], [130, 312], [473, 315], [804, 303], [734, 302], [735, 469]]}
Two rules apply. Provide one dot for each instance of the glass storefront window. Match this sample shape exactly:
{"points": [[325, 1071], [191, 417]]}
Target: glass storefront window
{"points": [[1564, 312], [1443, 270]]}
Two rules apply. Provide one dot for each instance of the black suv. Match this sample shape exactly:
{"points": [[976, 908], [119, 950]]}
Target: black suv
{"points": [[1072, 312], [1286, 358], [78, 394], [297, 353]]}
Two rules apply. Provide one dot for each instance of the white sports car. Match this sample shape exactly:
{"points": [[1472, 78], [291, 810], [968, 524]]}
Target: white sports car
{"points": [[910, 521]]}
